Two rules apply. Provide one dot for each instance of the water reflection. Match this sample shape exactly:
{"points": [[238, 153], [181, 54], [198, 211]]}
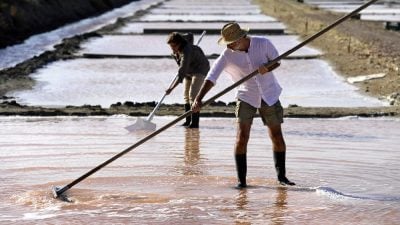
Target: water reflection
{"points": [[275, 209], [280, 206], [192, 152], [242, 207], [241, 199]]}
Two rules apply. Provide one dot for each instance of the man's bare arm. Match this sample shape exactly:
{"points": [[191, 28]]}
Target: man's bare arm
{"points": [[197, 104]]}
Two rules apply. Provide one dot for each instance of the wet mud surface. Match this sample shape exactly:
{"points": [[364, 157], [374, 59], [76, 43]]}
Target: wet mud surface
{"points": [[219, 109]]}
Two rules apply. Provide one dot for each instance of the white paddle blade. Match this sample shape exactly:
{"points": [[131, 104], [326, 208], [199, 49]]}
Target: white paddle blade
{"points": [[141, 124]]}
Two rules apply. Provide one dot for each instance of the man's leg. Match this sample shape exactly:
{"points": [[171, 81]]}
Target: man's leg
{"points": [[244, 115], [272, 117], [278, 142], [279, 150], [242, 138]]}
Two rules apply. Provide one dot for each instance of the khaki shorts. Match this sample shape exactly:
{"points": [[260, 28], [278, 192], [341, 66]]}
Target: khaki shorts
{"points": [[270, 115]]}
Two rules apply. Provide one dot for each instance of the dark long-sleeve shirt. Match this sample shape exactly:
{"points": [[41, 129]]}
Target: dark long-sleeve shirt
{"points": [[192, 62]]}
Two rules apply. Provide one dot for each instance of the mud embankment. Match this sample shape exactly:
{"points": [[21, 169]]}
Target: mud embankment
{"points": [[23, 18], [216, 109]]}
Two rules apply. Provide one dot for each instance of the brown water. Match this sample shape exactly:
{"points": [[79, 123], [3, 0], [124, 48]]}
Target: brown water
{"points": [[347, 171]]}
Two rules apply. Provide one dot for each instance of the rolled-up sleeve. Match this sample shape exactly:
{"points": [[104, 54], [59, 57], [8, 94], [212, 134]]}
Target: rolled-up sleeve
{"points": [[216, 69], [272, 53]]}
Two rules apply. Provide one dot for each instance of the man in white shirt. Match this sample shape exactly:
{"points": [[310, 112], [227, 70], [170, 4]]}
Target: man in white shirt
{"points": [[243, 55]]}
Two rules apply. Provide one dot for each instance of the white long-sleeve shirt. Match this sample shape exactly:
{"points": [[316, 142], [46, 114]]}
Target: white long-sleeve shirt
{"points": [[239, 64]]}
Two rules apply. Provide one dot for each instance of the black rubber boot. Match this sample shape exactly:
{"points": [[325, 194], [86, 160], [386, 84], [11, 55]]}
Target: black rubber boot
{"points": [[195, 120], [241, 169], [188, 118], [279, 159]]}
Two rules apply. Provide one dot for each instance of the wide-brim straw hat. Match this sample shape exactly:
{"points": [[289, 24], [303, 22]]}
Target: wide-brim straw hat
{"points": [[231, 32]]}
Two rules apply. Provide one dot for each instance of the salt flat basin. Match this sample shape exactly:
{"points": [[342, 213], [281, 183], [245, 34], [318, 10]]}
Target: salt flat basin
{"points": [[197, 27], [205, 11], [107, 81], [347, 167], [382, 18], [206, 8], [155, 45], [210, 7], [207, 3], [345, 5], [352, 5], [332, 1], [375, 12], [205, 18], [240, 11]]}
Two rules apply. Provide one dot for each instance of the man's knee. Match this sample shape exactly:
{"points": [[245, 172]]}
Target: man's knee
{"points": [[243, 134], [278, 140], [240, 147], [240, 151], [276, 136]]}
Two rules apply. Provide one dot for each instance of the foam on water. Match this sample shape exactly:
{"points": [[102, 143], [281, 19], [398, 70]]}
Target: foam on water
{"points": [[38, 216], [337, 195]]}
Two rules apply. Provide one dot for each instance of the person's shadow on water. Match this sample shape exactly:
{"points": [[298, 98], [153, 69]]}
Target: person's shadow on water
{"points": [[276, 213], [280, 206], [241, 208], [241, 200], [192, 152]]}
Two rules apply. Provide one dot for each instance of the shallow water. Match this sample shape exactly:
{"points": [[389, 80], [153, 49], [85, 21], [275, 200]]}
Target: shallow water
{"points": [[346, 172], [107, 81]]}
